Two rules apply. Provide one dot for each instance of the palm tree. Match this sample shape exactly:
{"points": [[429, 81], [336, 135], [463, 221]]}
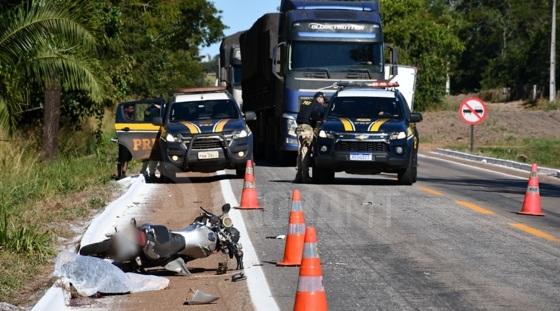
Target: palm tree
{"points": [[43, 40]]}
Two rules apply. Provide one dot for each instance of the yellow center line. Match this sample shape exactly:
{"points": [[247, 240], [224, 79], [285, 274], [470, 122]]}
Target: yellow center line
{"points": [[535, 232], [475, 207], [431, 191]]}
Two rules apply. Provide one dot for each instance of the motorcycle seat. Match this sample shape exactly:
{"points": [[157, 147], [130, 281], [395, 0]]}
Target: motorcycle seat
{"points": [[166, 243]]}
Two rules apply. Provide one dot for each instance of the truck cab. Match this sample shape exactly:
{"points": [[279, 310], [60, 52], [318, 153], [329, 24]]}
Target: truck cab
{"points": [[307, 47], [367, 130]]}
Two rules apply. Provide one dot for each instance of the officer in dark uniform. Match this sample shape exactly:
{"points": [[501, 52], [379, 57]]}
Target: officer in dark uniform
{"points": [[310, 113]]}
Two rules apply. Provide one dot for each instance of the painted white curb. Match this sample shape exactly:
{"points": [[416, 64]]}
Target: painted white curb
{"points": [[54, 298]]}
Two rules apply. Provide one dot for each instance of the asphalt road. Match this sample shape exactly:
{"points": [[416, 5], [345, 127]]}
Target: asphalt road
{"points": [[450, 242]]}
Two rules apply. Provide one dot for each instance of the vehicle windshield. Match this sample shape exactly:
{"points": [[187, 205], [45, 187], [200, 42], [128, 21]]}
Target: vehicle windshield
{"points": [[365, 108], [333, 55], [203, 110]]}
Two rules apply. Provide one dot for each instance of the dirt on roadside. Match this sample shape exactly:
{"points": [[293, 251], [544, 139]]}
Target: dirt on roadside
{"points": [[175, 206]]}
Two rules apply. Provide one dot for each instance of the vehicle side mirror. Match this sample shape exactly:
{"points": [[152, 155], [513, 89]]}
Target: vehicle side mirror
{"points": [[394, 61], [226, 208], [250, 116], [157, 121], [223, 74], [416, 117], [277, 60]]}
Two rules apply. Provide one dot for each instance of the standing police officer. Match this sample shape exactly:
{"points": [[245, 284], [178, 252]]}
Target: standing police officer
{"points": [[309, 114]]}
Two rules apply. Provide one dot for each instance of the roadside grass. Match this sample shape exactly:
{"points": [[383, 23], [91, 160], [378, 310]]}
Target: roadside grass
{"points": [[544, 152], [544, 104], [39, 200]]}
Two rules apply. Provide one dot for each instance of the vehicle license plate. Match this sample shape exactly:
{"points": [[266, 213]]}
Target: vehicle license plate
{"points": [[361, 157], [206, 155]]}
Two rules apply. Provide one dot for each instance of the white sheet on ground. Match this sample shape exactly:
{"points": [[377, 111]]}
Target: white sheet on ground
{"points": [[90, 275]]}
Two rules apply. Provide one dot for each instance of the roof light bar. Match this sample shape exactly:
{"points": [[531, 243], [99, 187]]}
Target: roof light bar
{"points": [[380, 84]]}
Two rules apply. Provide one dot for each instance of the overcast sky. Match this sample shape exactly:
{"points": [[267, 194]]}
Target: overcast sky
{"points": [[239, 15]]}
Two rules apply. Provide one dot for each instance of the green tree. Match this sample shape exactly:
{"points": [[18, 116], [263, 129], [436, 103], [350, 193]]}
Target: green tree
{"points": [[42, 43], [150, 49], [425, 32], [507, 45]]}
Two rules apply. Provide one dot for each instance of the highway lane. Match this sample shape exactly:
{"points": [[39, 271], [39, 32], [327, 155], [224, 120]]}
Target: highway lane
{"points": [[390, 247], [503, 193]]}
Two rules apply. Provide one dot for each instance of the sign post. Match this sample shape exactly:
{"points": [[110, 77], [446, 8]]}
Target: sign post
{"points": [[473, 111]]}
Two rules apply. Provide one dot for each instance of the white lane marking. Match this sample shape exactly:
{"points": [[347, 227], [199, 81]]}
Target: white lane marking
{"points": [[471, 166], [256, 281]]}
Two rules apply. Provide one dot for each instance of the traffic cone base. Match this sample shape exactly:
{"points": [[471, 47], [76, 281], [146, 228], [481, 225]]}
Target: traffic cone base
{"points": [[249, 199], [532, 201]]}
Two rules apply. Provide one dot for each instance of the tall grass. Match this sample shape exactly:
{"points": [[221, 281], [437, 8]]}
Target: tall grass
{"points": [[38, 199], [26, 182]]}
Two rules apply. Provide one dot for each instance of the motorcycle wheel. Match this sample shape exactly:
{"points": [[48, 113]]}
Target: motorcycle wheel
{"points": [[101, 249]]}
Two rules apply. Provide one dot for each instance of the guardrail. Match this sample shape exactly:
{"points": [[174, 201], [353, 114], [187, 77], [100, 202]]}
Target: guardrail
{"points": [[500, 162]]}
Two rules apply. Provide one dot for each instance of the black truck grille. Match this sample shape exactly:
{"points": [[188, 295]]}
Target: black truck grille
{"points": [[206, 143], [361, 146]]}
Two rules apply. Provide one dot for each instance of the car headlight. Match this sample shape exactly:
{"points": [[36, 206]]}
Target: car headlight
{"points": [[397, 135], [326, 134], [171, 138], [240, 134]]}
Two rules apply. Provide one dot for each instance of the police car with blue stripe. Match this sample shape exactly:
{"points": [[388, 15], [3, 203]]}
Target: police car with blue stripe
{"points": [[203, 130], [367, 129]]}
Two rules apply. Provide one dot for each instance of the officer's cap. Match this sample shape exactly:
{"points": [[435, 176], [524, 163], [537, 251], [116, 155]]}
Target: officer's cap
{"points": [[319, 94]]}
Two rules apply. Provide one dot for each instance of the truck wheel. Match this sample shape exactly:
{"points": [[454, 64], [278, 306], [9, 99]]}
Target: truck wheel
{"points": [[408, 175], [240, 172], [322, 175]]}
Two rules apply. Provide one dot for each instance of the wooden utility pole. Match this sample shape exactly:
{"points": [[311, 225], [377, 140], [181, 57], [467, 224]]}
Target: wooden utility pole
{"points": [[553, 54]]}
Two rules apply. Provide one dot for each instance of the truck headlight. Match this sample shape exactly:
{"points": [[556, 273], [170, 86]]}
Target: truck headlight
{"points": [[240, 134], [397, 135], [171, 138], [291, 125]]}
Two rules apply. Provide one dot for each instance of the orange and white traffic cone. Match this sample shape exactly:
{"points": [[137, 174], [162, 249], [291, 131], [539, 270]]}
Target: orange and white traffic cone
{"points": [[311, 292], [532, 201], [293, 249], [249, 198]]}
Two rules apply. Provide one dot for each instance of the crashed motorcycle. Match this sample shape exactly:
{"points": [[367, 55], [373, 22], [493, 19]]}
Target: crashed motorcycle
{"points": [[137, 248]]}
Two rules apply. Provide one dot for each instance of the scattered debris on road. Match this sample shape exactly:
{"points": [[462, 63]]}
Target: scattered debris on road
{"points": [[278, 237], [238, 277], [201, 298], [222, 268]]}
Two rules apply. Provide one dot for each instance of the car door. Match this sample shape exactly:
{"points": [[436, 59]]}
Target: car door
{"points": [[135, 130]]}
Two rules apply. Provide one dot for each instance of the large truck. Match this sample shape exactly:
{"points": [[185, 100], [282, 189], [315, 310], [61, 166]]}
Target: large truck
{"points": [[307, 46], [230, 66]]}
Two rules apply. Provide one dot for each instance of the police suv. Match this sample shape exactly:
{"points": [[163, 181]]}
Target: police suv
{"points": [[367, 130], [203, 130]]}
